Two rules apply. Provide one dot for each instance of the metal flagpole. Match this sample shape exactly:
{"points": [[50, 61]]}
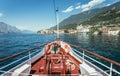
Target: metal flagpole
{"points": [[57, 23], [56, 18]]}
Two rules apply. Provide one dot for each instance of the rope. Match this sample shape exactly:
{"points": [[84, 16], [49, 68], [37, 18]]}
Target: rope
{"points": [[17, 54]]}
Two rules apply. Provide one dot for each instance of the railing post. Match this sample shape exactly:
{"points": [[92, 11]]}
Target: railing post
{"points": [[29, 60], [111, 66], [83, 56], [29, 57]]}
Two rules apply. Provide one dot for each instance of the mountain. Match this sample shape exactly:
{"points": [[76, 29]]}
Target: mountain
{"points": [[74, 20], [105, 18], [27, 32], [111, 16], [5, 28]]}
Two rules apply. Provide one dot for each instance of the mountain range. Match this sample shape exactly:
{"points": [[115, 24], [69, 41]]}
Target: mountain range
{"points": [[5, 28], [27, 32], [106, 14]]}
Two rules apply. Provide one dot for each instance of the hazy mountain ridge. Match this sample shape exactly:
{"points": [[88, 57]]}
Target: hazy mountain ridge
{"points": [[87, 16], [27, 32], [5, 28]]}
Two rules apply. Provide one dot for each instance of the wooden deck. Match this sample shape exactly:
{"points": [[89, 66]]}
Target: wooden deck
{"points": [[42, 66], [57, 60]]}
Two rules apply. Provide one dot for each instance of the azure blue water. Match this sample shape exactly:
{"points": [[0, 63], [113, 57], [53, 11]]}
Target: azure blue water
{"points": [[105, 45]]}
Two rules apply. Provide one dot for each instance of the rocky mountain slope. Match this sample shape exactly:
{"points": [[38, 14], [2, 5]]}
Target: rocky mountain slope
{"points": [[108, 13]]}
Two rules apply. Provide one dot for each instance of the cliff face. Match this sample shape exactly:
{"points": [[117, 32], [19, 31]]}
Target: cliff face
{"points": [[5, 28]]}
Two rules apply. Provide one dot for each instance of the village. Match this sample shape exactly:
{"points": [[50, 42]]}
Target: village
{"points": [[96, 29]]}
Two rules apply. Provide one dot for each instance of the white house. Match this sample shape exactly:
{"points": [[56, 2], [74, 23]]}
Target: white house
{"points": [[82, 29]]}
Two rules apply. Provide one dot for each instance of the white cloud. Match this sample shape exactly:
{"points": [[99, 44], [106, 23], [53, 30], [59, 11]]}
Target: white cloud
{"points": [[69, 9], [78, 7], [1, 14], [85, 9], [91, 4], [108, 4]]}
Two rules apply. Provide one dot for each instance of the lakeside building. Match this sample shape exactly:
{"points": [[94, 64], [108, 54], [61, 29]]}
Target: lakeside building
{"points": [[55, 31], [72, 31], [114, 31], [45, 32], [111, 30], [83, 29], [105, 30]]}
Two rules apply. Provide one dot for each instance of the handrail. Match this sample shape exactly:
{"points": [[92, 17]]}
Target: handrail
{"points": [[25, 51], [93, 59], [27, 74], [18, 60], [111, 69], [97, 55]]}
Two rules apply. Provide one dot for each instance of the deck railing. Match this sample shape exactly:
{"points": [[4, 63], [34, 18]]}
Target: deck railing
{"points": [[24, 57], [83, 57], [82, 52]]}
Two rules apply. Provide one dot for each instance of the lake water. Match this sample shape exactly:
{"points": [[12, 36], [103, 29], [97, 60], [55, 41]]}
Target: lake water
{"points": [[105, 45]]}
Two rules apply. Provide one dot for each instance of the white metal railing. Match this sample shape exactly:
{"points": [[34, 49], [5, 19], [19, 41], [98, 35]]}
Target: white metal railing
{"points": [[27, 74], [83, 55], [83, 59], [19, 59]]}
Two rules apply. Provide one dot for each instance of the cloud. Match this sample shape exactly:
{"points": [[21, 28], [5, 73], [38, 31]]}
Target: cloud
{"points": [[1, 14], [83, 7], [108, 4], [91, 4], [78, 6], [69, 9]]}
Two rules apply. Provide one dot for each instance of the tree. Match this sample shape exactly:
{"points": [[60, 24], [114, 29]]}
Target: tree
{"points": [[66, 31]]}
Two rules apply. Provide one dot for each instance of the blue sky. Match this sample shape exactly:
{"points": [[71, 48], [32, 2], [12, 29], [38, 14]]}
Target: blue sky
{"points": [[39, 14]]}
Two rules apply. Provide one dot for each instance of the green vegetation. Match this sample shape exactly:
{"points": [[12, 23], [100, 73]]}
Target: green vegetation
{"points": [[69, 26], [93, 30], [119, 33], [66, 31], [38, 32], [105, 16], [99, 32]]}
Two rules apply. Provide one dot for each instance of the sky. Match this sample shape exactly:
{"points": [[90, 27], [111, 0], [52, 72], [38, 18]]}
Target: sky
{"points": [[36, 15]]}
